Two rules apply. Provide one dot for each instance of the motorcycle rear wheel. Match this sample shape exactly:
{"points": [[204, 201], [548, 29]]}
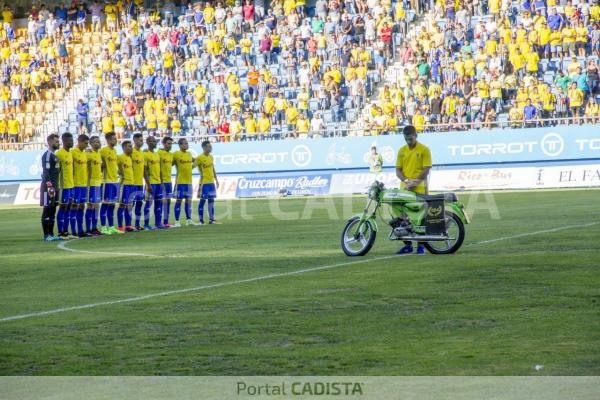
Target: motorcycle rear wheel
{"points": [[454, 226], [363, 240]]}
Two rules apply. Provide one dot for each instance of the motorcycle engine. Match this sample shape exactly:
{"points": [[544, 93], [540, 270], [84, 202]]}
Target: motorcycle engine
{"points": [[401, 226]]}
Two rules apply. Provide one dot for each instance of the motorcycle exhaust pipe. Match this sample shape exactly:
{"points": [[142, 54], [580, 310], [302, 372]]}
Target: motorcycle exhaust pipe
{"points": [[425, 238]]}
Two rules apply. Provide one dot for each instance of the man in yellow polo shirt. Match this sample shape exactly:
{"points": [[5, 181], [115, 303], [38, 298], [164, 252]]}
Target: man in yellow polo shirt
{"points": [[13, 128], [412, 168]]}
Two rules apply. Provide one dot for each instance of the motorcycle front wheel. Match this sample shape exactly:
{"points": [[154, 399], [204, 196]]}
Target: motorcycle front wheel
{"points": [[355, 242], [455, 230]]}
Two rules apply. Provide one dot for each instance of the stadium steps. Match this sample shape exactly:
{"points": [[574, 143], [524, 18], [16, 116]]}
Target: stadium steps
{"points": [[63, 111]]}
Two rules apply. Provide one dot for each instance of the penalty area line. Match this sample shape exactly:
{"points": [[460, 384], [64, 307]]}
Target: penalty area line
{"points": [[258, 278]]}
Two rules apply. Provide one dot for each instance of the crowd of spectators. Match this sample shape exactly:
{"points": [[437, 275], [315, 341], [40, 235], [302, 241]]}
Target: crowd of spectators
{"points": [[32, 61], [239, 71], [235, 71], [483, 64]]}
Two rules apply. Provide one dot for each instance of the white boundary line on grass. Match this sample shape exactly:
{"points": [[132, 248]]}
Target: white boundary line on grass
{"points": [[63, 246], [194, 289], [520, 235], [260, 278]]}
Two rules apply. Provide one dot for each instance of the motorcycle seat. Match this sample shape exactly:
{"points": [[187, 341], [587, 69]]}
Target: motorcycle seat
{"points": [[439, 197]]}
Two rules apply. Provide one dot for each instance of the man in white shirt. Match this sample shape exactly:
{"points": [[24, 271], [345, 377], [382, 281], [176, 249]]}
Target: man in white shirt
{"points": [[317, 126]]}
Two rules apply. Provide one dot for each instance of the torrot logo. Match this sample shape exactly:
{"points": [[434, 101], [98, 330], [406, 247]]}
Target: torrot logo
{"points": [[301, 155], [552, 144]]}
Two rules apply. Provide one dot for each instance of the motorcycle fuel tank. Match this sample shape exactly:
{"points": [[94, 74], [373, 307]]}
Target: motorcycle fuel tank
{"points": [[398, 196]]}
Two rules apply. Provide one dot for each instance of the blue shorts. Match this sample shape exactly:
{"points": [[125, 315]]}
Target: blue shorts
{"points": [[111, 192], [79, 194], [209, 191], [67, 195], [95, 194], [183, 191], [156, 191], [127, 194], [138, 193], [167, 190]]}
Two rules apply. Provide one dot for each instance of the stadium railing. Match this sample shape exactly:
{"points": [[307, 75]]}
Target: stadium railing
{"points": [[367, 130]]}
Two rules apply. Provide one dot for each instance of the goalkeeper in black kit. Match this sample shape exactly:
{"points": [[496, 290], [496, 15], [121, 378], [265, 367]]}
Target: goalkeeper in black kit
{"points": [[49, 187]]}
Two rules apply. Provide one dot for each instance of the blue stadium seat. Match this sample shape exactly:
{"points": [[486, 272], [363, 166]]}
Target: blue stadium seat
{"points": [[351, 115], [502, 119], [289, 94], [348, 103], [327, 117], [330, 128], [313, 105]]}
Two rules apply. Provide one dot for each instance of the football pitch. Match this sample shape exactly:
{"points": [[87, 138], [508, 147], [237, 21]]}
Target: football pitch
{"points": [[269, 292]]}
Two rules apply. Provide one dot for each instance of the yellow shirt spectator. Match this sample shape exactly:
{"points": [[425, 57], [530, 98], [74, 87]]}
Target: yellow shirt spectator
{"points": [[302, 125], [264, 125], [250, 125], [418, 120]]}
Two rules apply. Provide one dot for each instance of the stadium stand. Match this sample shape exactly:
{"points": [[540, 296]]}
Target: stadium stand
{"points": [[232, 71], [495, 64]]}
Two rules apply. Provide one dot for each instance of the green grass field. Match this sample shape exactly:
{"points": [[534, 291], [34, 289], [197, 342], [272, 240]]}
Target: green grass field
{"points": [[495, 308]]}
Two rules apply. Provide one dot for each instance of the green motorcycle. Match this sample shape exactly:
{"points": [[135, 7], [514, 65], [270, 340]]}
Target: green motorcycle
{"points": [[437, 221]]}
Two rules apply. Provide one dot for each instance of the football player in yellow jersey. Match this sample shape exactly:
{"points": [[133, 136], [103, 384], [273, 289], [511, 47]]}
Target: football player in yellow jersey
{"points": [[207, 190], [137, 156], [65, 159], [80, 180], [166, 166], [110, 189], [153, 184], [94, 160], [183, 161], [125, 164], [412, 168]]}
